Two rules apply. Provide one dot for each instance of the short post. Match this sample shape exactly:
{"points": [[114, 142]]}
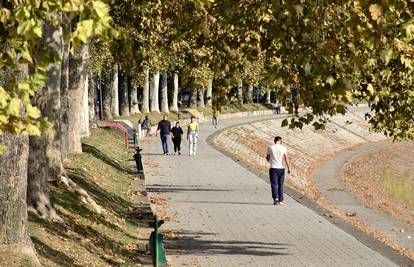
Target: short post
{"points": [[138, 159], [156, 245]]}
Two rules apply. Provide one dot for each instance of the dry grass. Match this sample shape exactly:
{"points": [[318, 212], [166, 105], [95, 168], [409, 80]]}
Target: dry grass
{"points": [[399, 186], [83, 237]]}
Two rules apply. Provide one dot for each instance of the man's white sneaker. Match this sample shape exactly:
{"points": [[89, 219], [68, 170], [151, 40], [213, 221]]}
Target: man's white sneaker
{"points": [[281, 203]]}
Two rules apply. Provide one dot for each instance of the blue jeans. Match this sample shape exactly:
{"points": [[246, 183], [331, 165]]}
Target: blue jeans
{"points": [[164, 141], [277, 178]]}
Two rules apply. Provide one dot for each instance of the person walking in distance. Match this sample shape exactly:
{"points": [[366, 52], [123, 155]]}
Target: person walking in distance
{"points": [[278, 159], [177, 132], [164, 127], [146, 126], [192, 135], [214, 119]]}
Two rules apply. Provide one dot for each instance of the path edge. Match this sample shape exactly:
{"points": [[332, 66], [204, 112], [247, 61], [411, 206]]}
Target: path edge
{"points": [[366, 239]]}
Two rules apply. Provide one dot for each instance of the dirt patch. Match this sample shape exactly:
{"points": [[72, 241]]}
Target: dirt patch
{"points": [[384, 179]]}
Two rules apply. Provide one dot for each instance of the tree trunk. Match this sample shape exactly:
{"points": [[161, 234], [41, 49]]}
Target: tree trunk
{"points": [[154, 92], [240, 92], [164, 94], [92, 96], [78, 69], [106, 87], [193, 98], [134, 99], [45, 158], [114, 92], [64, 96], [14, 237], [249, 96], [209, 94], [145, 93], [267, 96], [85, 131], [200, 98], [174, 104], [123, 95]]}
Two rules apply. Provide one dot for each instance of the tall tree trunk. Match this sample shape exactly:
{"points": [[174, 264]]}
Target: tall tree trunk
{"points": [[45, 158], [92, 96], [249, 96], [78, 69], [106, 96], [145, 93], [193, 98], [200, 98], [267, 96], [174, 104], [134, 99], [123, 95], [64, 96], [164, 93], [85, 131], [114, 91], [154, 87], [14, 237], [209, 94], [240, 92]]}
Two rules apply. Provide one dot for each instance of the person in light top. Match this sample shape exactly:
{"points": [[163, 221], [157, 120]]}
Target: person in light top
{"points": [[278, 160], [192, 135]]}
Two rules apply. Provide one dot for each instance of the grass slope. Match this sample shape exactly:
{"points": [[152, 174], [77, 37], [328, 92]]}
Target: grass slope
{"points": [[84, 237]]}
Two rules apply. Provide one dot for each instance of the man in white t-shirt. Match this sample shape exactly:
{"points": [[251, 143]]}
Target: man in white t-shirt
{"points": [[278, 159]]}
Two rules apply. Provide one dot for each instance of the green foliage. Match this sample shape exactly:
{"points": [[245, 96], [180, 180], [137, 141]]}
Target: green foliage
{"points": [[21, 39]]}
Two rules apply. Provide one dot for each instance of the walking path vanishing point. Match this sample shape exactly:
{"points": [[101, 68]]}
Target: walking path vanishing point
{"points": [[222, 215]]}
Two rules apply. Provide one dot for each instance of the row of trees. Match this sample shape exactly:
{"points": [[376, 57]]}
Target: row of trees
{"points": [[53, 53]]}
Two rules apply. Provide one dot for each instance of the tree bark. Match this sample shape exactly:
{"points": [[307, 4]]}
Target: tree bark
{"points": [[14, 237], [200, 98], [78, 69], [85, 131], [267, 96], [193, 98], [123, 95], [240, 92], [92, 96], [45, 158], [249, 96], [145, 93], [209, 94], [106, 96], [134, 99], [174, 104], [155, 80], [64, 96], [164, 93], [114, 92]]}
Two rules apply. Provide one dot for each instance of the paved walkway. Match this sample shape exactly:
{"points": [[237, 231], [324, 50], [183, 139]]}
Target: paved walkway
{"points": [[222, 215], [328, 176]]}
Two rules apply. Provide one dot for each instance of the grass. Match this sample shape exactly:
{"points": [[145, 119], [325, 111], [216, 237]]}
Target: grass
{"points": [[185, 113], [399, 185], [84, 237]]}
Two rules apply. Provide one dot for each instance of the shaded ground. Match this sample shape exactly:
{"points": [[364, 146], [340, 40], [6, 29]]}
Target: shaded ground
{"points": [[384, 179], [84, 237]]}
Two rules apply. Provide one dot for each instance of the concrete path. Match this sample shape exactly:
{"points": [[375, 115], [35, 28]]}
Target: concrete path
{"points": [[222, 215], [327, 176]]}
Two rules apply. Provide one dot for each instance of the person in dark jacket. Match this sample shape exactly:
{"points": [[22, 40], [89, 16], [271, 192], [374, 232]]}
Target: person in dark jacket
{"points": [[177, 133], [164, 127], [146, 126]]}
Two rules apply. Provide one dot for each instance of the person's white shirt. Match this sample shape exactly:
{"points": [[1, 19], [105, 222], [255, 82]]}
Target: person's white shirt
{"points": [[276, 153]]}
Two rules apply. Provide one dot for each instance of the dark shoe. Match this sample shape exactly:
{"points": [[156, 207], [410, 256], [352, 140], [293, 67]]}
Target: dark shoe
{"points": [[275, 202], [179, 153]]}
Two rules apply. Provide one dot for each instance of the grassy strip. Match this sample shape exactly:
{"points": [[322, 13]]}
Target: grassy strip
{"points": [[83, 237], [399, 185]]}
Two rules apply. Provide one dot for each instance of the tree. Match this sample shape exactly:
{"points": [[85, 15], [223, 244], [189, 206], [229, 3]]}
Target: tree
{"points": [[174, 103], [249, 95], [164, 93], [106, 91], [155, 81], [114, 91], [123, 94], [209, 93], [134, 98], [145, 92], [240, 92]]}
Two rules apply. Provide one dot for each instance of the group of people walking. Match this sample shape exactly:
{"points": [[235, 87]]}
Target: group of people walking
{"points": [[176, 133]]}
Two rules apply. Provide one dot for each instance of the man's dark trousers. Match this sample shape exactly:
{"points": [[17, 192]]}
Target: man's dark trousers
{"points": [[164, 141], [277, 178]]}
